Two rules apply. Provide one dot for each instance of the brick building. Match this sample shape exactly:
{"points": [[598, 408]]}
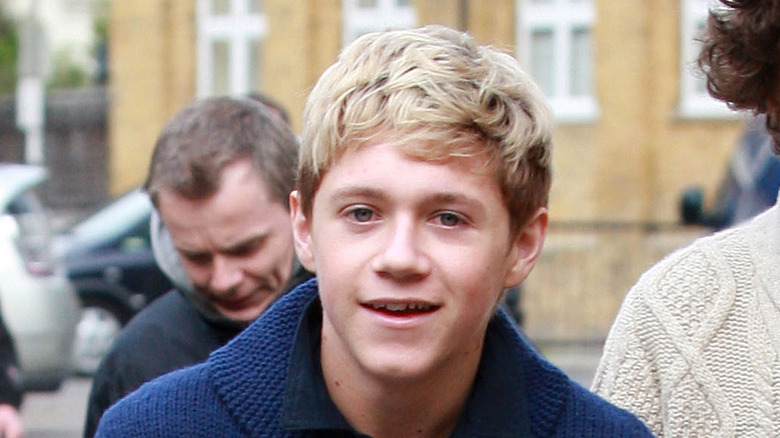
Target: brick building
{"points": [[634, 124]]}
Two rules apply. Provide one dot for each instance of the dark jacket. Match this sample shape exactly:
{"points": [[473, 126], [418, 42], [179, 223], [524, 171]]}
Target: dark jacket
{"points": [[10, 382], [239, 391], [167, 335], [176, 330]]}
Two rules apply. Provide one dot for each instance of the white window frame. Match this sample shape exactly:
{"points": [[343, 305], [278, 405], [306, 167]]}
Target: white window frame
{"points": [[560, 17], [696, 103], [387, 14], [239, 28]]}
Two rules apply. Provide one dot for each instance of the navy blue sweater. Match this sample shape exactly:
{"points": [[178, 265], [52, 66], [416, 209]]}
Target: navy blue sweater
{"points": [[238, 392]]}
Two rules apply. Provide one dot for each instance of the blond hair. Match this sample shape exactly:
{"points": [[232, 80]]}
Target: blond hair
{"points": [[437, 94]]}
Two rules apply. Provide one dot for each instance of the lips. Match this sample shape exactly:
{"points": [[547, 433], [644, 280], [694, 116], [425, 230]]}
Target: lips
{"points": [[238, 304], [235, 301]]}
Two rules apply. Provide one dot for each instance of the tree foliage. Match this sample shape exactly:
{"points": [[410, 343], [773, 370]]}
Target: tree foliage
{"points": [[9, 54]]}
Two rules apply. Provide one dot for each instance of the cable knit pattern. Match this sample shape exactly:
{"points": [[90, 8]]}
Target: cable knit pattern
{"points": [[238, 392], [694, 349]]}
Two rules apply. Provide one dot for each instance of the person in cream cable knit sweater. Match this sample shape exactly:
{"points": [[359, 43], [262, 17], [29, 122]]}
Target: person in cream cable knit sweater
{"points": [[695, 350]]}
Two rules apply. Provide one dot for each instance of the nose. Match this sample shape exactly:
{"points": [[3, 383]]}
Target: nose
{"points": [[225, 275], [402, 254]]}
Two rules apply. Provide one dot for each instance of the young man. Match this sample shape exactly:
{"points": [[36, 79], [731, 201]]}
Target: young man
{"points": [[694, 350], [422, 186], [220, 176]]}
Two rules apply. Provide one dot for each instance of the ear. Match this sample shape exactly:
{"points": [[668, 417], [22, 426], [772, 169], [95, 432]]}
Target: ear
{"points": [[301, 233], [526, 248]]}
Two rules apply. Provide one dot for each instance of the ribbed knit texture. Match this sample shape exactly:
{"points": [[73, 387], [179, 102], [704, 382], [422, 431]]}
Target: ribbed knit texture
{"points": [[695, 348], [238, 392]]}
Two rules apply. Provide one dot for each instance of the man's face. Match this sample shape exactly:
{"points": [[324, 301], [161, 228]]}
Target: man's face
{"points": [[411, 258], [236, 245]]}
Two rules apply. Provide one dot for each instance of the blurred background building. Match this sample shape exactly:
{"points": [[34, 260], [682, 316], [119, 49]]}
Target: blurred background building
{"points": [[635, 124]]}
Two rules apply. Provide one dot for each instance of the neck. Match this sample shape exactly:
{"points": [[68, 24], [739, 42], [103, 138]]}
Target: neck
{"points": [[427, 406]]}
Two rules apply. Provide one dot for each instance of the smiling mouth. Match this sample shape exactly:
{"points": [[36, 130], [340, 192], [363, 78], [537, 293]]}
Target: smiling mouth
{"points": [[238, 304], [402, 309]]}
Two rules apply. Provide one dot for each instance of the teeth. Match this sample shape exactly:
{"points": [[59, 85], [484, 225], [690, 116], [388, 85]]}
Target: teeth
{"points": [[402, 307], [396, 307]]}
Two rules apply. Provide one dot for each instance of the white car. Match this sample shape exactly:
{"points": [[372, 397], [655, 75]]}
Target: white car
{"points": [[39, 304]]}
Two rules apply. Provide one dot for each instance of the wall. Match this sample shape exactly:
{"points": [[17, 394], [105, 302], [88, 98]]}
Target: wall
{"points": [[152, 75], [613, 204]]}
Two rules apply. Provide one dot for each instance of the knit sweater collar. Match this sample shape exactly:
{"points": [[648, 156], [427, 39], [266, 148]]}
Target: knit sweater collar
{"points": [[250, 373]]}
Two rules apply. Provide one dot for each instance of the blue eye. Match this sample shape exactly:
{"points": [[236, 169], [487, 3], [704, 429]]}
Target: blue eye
{"points": [[362, 214], [449, 219]]}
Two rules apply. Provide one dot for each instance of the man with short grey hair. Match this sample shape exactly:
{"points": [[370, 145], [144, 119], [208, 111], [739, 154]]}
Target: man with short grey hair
{"points": [[219, 179]]}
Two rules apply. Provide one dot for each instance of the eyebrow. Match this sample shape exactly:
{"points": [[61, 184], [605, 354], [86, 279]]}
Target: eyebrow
{"points": [[251, 240], [443, 197], [356, 192]]}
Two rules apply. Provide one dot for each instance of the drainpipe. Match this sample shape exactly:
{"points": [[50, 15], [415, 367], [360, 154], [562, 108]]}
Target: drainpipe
{"points": [[29, 87], [463, 16]]}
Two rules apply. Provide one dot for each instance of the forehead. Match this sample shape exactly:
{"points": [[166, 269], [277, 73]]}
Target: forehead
{"points": [[387, 166], [241, 202]]}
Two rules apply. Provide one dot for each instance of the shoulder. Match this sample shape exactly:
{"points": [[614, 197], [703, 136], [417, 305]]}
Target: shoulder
{"points": [[559, 406], [716, 254], [697, 275], [237, 389], [182, 403], [671, 296], [166, 335], [711, 270], [171, 315], [677, 306], [172, 304]]}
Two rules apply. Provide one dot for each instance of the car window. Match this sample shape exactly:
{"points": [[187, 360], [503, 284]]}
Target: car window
{"points": [[123, 224]]}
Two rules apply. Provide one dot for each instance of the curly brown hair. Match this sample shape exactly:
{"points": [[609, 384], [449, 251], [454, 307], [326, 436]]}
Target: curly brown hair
{"points": [[740, 55]]}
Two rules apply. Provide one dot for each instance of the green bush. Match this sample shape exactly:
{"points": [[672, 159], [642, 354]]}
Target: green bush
{"points": [[9, 55]]}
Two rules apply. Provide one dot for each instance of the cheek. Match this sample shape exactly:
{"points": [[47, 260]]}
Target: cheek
{"points": [[478, 275], [471, 262], [339, 260], [198, 275], [275, 257], [335, 297]]}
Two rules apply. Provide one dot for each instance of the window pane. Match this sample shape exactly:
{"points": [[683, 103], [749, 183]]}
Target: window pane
{"points": [[543, 60], [255, 65], [403, 3], [256, 6], [581, 63], [220, 7], [366, 3], [220, 55]]}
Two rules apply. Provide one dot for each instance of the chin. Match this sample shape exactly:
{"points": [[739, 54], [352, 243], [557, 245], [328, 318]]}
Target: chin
{"points": [[398, 367], [243, 315]]}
